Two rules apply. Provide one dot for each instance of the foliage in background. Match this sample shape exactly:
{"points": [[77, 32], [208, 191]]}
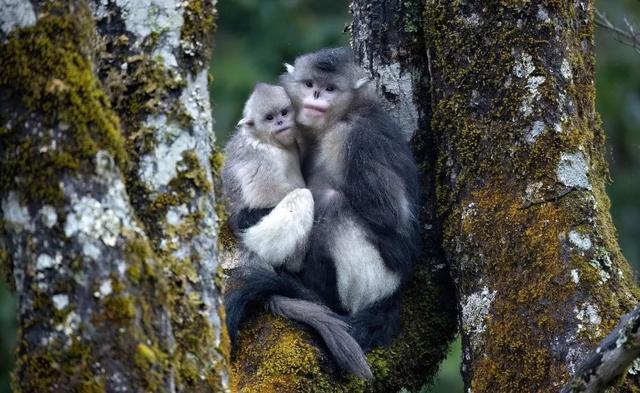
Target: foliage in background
{"points": [[8, 327], [255, 37], [618, 101]]}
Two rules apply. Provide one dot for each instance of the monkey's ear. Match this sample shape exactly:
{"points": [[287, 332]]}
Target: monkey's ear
{"points": [[289, 67], [245, 122], [361, 82]]}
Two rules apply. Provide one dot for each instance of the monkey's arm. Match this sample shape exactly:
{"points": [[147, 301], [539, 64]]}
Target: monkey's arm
{"points": [[247, 218], [284, 230]]}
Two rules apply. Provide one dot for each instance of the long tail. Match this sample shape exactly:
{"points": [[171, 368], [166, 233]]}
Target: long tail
{"points": [[333, 330], [287, 297]]}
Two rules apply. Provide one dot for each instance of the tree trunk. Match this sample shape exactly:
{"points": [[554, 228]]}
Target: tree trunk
{"points": [[108, 226], [522, 173], [274, 355]]}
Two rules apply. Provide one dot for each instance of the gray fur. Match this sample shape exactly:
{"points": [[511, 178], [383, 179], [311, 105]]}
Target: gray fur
{"points": [[262, 170], [365, 185], [333, 330]]}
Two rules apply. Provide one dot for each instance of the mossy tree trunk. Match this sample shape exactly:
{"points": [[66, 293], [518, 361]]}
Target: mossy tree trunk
{"points": [[108, 224], [521, 190]]}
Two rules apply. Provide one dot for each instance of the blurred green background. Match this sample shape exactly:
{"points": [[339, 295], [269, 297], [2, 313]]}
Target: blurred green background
{"points": [[255, 37]]}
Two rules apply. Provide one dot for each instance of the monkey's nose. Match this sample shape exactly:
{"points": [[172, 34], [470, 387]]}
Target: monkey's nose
{"points": [[279, 122], [316, 94]]}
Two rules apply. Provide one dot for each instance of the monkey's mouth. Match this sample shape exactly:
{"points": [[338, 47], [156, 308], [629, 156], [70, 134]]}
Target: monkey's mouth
{"points": [[315, 110], [283, 129]]}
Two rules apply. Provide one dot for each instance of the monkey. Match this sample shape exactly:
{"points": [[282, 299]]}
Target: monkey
{"points": [[269, 205], [272, 213], [364, 181]]}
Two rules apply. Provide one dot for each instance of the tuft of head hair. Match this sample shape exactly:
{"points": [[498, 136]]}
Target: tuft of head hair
{"points": [[333, 60], [327, 63]]}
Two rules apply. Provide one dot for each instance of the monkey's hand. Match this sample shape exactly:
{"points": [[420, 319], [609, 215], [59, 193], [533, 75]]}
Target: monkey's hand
{"points": [[284, 230]]}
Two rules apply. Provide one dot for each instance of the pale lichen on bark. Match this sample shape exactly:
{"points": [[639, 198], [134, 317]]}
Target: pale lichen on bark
{"points": [[616, 355], [15, 14]]}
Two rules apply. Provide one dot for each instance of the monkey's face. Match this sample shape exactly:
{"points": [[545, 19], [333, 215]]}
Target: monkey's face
{"points": [[321, 102], [268, 115], [323, 86], [276, 125]]}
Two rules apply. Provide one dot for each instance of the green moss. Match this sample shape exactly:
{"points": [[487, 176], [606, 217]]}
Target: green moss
{"points": [[226, 238], [217, 162], [194, 173], [119, 309], [57, 367], [191, 179], [145, 356], [141, 91], [152, 362], [197, 33], [6, 270], [195, 350], [46, 70]]}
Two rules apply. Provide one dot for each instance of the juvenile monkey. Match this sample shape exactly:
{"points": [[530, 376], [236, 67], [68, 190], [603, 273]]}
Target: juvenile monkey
{"points": [[270, 208], [272, 214]]}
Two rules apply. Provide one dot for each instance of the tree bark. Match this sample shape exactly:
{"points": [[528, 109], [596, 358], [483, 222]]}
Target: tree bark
{"points": [[274, 355], [109, 223], [522, 173], [611, 360]]}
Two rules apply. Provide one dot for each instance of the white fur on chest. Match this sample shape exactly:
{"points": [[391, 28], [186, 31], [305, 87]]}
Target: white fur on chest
{"points": [[362, 276]]}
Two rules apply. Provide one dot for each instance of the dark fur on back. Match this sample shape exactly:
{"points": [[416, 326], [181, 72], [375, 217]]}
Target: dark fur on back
{"points": [[379, 161]]}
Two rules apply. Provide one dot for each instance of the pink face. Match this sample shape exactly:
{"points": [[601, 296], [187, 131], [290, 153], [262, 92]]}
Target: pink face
{"points": [[320, 102], [316, 102]]}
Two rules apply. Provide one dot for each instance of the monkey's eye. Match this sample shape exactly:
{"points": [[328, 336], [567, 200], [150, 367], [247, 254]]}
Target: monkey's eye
{"points": [[269, 117], [331, 88], [308, 83], [284, 112]]}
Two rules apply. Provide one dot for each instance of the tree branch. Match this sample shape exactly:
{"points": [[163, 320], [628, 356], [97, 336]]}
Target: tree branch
{"points": [[626, 36], [611, 360]]}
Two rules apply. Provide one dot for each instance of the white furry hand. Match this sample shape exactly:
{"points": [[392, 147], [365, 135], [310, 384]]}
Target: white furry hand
{"points": [[284, 230]]}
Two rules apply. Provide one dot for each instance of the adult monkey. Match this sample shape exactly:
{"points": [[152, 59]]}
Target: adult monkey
{"points": [[364, 183]]}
